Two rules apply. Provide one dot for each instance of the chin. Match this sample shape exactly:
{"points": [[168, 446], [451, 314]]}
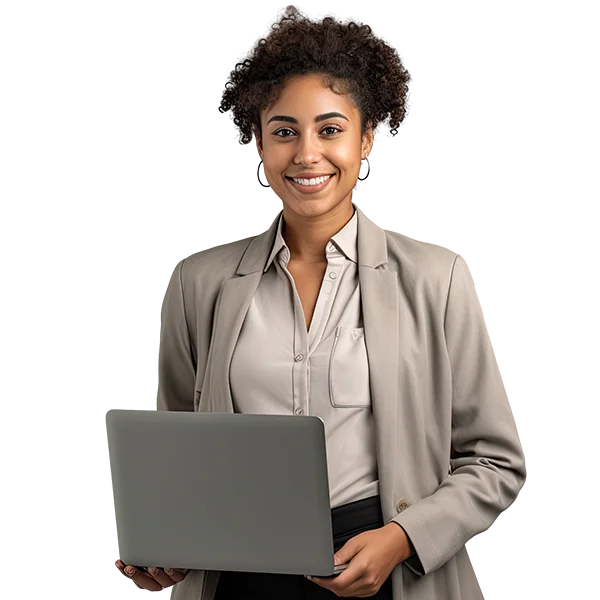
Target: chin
{"points": [[317, 207], [312, 208]]}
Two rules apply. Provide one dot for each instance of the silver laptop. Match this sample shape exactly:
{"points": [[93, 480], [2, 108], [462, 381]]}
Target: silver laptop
{"points": [[221, 491]]}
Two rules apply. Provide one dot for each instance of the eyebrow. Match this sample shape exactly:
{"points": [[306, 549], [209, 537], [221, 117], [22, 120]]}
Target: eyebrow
{"points": [[318, 118]]}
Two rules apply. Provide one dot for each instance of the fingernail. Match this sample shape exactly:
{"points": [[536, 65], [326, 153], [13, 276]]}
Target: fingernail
{"points": [[130, 570]]}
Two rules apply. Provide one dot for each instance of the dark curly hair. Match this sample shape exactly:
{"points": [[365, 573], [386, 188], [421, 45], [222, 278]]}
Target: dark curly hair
{"points": [[350, 57]]}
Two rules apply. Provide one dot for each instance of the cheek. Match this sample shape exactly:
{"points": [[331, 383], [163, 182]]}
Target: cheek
{"points": [[347, 159], [349, 169], [264, 170], [276, 165]]}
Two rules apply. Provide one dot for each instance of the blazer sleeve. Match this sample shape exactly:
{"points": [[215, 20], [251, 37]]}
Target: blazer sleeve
{"points": [[176, 368], [487, 464]]}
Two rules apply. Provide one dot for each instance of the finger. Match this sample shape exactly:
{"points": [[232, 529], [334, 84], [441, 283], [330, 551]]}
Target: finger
{"points": [[354, 588], [321, 581], [176, 574], [342, 583], [142, 580], [121, 568], [161, 577], [327, 584], [120, 564]]}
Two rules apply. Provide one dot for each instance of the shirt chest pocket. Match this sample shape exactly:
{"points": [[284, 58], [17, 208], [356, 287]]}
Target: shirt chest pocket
{"points": [[349, 369]]}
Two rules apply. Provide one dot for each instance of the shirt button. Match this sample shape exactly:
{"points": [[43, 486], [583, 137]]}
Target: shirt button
{"points": [[299, 357], [332, 275], [299, 411]]}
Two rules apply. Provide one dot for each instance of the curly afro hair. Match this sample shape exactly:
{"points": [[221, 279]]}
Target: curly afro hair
{"points": [[348, 55]]}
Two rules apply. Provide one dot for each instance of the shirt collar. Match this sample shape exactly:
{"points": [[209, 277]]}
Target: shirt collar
{"points": [[277, 245], [344, 241]]}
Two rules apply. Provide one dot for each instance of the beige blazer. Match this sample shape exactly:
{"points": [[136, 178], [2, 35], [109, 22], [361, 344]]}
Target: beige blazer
{"points": [[448, 452]]}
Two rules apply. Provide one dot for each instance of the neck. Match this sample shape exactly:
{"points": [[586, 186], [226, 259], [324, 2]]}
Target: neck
{"points": [[307, 238]]}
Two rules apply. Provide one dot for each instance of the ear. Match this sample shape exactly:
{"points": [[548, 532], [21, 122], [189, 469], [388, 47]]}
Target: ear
{"points": [[258, 142], [367, 140]]}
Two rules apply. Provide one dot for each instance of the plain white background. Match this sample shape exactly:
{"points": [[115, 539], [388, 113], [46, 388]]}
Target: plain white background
{"points": [[112, 162]]}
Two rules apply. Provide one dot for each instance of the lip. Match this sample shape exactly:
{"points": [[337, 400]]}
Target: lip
{"points": [[310, 189], [309, 175]]}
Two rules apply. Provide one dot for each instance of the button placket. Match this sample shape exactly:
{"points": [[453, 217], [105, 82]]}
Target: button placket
{"points": [[334, 266], [326, 297], [299, 367], [300, 358]]}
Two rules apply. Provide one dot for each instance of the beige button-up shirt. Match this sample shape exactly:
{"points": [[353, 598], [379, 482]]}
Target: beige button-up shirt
{"points": [[278, 367]]}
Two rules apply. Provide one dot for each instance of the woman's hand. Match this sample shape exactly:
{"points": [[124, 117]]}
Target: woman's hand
{"points": [[372, 556], [155, 579]]}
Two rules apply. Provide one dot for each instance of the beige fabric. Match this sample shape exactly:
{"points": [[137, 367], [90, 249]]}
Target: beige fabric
{"points": [[277, 368], [448, 453]]}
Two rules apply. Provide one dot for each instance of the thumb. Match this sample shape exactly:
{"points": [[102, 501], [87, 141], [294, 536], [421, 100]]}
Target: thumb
{"points": [[347, 551]]}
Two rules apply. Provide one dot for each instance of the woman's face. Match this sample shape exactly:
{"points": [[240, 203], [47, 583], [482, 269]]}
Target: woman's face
{"points": [[297, 140]]}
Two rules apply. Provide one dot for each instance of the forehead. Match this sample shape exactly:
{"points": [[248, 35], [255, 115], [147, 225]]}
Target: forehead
{"points": [[304, 96]]}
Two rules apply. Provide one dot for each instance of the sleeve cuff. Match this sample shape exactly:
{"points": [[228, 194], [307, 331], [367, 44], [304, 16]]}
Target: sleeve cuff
{"points": [[413, 562], [413, 532]]}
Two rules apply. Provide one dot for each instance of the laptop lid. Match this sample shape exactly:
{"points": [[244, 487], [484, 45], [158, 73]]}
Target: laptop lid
{"points": [[221, 491]]}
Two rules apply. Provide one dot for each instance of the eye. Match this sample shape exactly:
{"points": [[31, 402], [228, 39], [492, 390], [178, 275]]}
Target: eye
{"points": [[281, 130], [334, 129]]}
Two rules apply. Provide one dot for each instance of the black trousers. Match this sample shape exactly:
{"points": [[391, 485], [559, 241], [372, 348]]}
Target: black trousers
{"points": [[347, 521]]}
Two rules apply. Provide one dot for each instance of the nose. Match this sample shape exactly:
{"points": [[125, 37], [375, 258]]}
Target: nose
{"points": [[308, 150]]}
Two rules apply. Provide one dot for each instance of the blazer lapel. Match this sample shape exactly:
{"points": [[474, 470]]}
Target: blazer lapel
{"points": [[379, 302], [231, 308], [232, 305]]}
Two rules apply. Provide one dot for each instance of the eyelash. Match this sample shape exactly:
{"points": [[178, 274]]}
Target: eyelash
{"points": [[275, 133]]}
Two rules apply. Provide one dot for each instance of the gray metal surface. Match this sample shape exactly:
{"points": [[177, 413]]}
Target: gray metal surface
{"points": [[219, 491]]}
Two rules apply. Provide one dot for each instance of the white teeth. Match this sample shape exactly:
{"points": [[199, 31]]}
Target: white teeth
{"points": [[312, 181]]}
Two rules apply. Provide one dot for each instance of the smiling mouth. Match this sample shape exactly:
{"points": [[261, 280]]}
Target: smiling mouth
{"points": [[309, 182], [307, 189]]}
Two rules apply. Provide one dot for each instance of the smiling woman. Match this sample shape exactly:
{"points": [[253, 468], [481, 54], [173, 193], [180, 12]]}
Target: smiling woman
{"points": [[326, 314]]}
